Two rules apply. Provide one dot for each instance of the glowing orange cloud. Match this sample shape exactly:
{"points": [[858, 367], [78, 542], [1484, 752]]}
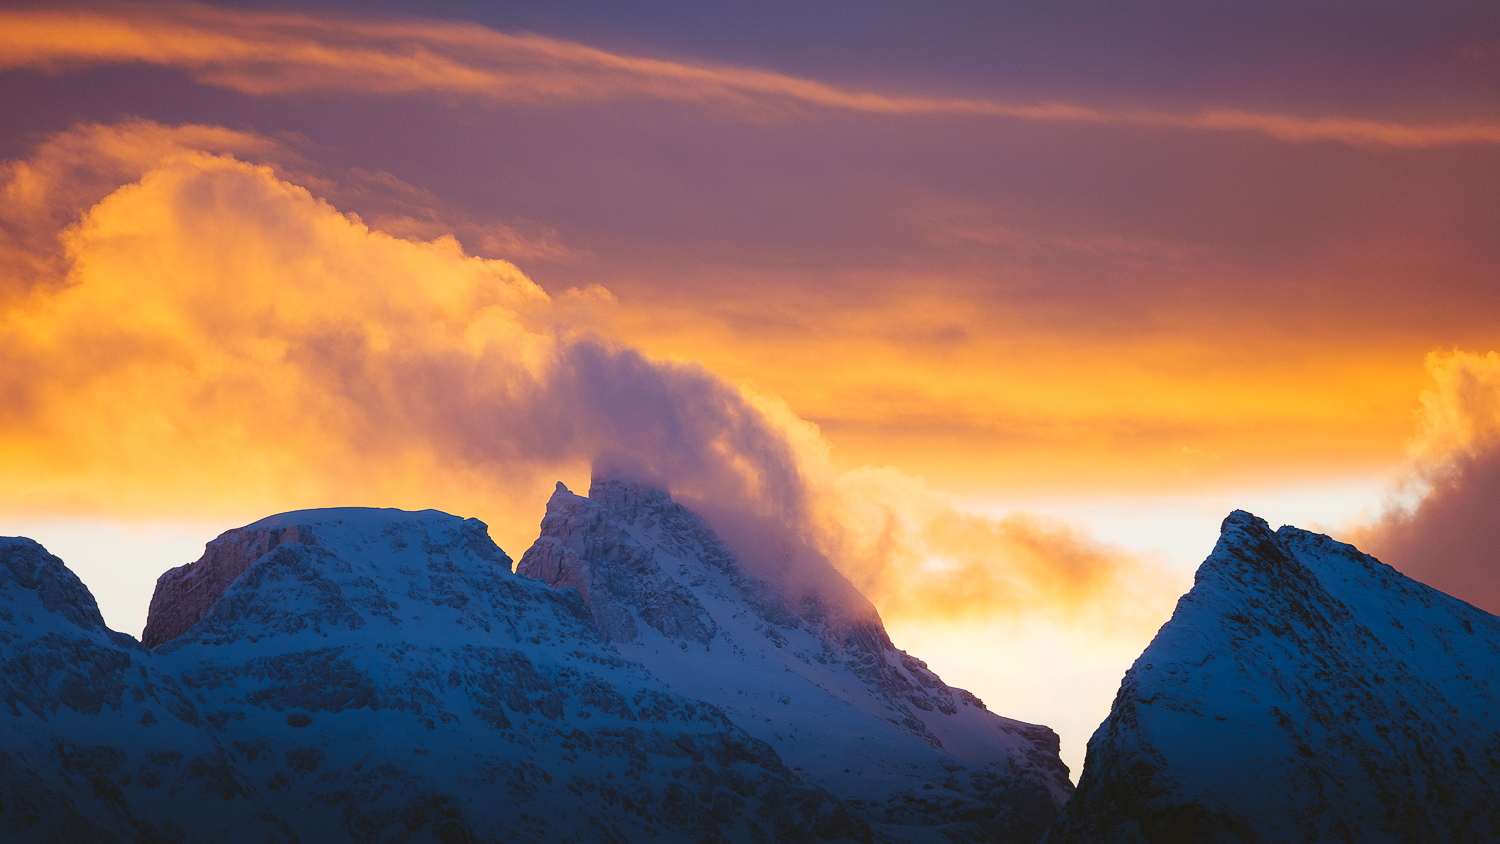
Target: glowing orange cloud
{"points": [[224, 342], [270, 53], [73, 170], [1449, 535], [919, 556], [222, 339]]}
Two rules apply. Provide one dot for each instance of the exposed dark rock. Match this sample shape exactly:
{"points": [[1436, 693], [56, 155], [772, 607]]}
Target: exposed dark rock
{"points": [[185, 593]]}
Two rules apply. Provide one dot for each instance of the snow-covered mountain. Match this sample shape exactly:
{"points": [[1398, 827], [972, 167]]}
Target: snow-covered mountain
{"points": [[380, 675], [98, 741], [373, 675], [795, 656], [1302, 691]]}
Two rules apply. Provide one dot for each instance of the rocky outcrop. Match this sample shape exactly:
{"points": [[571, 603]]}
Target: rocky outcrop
{"points": [[796, 657], [1302, 691], [185, 593]]}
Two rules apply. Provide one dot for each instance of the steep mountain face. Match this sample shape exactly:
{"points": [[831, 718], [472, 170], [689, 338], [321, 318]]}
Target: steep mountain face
{"points": [[97, 742], [1302, 691], [806, 668], [375, 675]]}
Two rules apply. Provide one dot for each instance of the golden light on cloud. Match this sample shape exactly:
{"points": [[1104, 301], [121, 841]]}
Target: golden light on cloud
{"points": [[278, 53], [218, 323], [1460, 413], [221, 341], [1002, 321], [996, 404]]}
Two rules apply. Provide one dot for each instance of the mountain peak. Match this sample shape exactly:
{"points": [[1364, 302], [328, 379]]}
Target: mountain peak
{"points": [[185, 595], [622, 494], [374, 674], [1300, 691], [795, 655], [24, 563]]}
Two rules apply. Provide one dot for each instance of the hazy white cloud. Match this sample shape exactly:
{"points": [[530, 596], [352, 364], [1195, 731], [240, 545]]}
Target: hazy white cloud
{"points": [[920, 556]]}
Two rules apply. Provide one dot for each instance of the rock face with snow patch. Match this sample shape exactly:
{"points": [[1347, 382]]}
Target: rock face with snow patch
{"points": [[807, 669], [185, 593], [1302, 691]]}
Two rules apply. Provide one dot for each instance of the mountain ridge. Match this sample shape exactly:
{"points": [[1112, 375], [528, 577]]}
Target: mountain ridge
{"points": [[361, 674]]}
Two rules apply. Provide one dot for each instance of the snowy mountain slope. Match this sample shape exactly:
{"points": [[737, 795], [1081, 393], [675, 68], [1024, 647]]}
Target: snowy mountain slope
{"points": [[1302, 691], [373, 675], [808, 670], [386, 677], [97, 743]]}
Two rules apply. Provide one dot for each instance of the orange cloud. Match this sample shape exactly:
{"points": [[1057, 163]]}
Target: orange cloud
{"points": [[71, 171], [278, 53], [920, 557], [981, 400], [222, 341], [1449, 535]]}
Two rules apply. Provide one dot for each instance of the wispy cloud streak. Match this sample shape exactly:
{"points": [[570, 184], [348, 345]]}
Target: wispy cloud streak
{"points": [[266, 54]]}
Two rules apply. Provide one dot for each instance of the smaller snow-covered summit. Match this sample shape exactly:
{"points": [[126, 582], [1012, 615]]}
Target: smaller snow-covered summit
{"points": [[184, 594], [1302, 691], [798, 659]]}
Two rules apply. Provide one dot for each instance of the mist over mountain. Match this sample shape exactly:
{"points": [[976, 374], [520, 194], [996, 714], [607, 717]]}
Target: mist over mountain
{"points": [[381, 675], [1302, 691]]}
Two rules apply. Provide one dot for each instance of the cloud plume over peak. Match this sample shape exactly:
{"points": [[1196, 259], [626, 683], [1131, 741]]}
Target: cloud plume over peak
{"points": [[217, 340], [265, 53], [232, 338]]}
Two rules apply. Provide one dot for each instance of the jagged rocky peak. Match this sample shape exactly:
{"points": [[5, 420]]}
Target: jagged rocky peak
{"points": [[1302, 691], [769, 631], [611, 541]]}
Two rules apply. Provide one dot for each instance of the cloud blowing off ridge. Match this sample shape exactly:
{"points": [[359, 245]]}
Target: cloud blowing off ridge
{"points": [[210, 337]]}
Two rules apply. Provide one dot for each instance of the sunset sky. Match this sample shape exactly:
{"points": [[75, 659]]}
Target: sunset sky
{"points": [[1001, 306]]}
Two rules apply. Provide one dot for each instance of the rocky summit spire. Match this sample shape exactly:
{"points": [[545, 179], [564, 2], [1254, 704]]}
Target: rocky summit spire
{"points": [[1302, 691], [796, 657]]}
